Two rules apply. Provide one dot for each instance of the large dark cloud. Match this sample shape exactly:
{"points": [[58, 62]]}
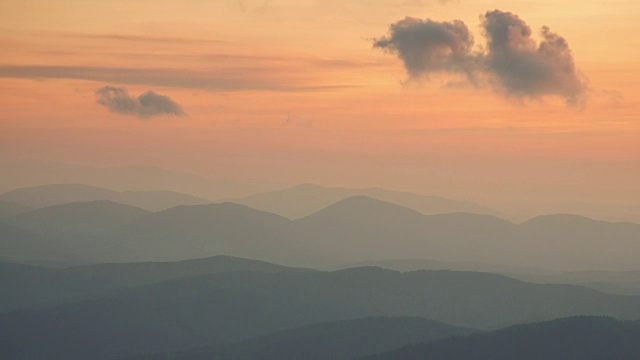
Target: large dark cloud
{"points": [[524, 68], [513, 62], [144, 106]]}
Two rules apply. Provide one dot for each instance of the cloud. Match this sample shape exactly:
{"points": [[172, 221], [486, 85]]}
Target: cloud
{"points": [[427, 46], [512, 63], [223, 79], [524, 68], [145, 106], [134, 38]]}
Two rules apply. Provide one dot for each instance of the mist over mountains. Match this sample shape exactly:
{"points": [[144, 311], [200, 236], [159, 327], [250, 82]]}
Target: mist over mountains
{"points": [[237, 299], [355, 229], [589, 338], [58, 194], [343, 339], [306, 199], [329, 180], [307, 272], [21, 174], [295, 201]]}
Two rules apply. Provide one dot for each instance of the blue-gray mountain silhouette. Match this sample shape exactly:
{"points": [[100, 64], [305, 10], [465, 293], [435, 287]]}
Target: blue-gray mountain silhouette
{"points": [[584, 338]]}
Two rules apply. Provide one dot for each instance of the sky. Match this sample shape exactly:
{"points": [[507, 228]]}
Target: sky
{"points": [[464, 98]]}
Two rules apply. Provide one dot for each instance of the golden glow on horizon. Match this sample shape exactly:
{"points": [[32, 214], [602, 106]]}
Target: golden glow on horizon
{"points": [[300, 76]]}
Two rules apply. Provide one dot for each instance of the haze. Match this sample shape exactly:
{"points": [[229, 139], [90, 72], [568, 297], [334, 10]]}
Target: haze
{"points": [[319, 179], [289, 92]]}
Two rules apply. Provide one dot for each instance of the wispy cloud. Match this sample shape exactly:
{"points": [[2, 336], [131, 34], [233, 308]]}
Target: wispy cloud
{"points": [[137, 38], [513, 62], [145, 106], [162, 77]]}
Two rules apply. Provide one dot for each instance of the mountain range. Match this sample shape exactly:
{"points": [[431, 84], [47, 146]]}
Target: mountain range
{"points": [[28, 286], [226, 307], [21, 174], [306, 199], [339, 340], [88, 272], [57, 194], [585, 338], [355, 229], [613, 282]]}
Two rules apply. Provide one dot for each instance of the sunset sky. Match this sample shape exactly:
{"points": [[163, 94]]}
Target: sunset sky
{"points": [[293, 91]]}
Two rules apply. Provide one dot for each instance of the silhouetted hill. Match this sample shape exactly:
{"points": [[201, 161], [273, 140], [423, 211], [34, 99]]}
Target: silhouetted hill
{"points": [[554, 238], [613, 282], [303, 200], [337, 340], [78, 229], [202, 311], [376, 230], [149, 272], [57, 194], [26, 286], [185, 232], [405, 265], [361, 228], [363, 209], [584, 338], [158, 200], [77, 218]]}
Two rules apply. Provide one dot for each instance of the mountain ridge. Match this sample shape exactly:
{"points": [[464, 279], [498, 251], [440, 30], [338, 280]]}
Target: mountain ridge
{"points": [[57, 194], [186, 313], [358, 229], [582, 337], [305, 199]]}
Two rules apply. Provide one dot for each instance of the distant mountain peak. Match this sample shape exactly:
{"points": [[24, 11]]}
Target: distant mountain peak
{"points": [[364, 200], [359, 205], [561, 219], [305, 199]]}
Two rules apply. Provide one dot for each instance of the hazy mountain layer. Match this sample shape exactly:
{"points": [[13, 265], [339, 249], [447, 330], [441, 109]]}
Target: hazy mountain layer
{"points": [[26, 286], [78, 231], [337, 340], [613, 282], [20, 174], [17, 244], [355, 229], [511, 203], [8, 208], [93, 217], [303, 200], [200, 311], [56, 194], [585, 338]]}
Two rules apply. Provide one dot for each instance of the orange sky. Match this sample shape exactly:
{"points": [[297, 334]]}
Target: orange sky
{"points": [[293, 91]]}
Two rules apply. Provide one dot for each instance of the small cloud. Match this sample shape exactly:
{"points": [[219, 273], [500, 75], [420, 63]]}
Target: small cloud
{"points": [[293, 120], [145, 106]]}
